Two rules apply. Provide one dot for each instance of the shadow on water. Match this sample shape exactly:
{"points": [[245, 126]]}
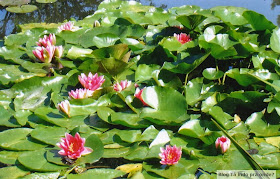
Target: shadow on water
{"points": [[79, 9]]}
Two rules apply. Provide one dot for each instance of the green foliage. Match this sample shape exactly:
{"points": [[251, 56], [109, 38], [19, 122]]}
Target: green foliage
{"points": [[225, 81]]}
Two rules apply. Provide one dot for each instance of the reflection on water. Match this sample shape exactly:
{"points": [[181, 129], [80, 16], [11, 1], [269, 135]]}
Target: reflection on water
{"points": [[55, 12], [275, 3], [78, 9]]}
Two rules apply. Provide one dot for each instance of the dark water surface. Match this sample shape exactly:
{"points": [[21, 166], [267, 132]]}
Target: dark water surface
{"points": [[78, 9]]}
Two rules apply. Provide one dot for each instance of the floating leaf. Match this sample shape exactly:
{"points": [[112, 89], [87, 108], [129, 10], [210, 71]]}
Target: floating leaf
{"points": [[164, 110], [96, 145], [13, 2], [259, 127], [230, 14], [129, 120], [22, 8], [98, 173], [12, 172], [17, 139], [76, 52], [43, 175], [9, 157], [48, 135], [131, 169], [46, 1], [161, 138], [38, 162]]}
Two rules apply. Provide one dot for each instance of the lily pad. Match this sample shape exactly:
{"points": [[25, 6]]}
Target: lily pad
{"points": [[163, 109], [13, 2], [46, 1], [22, 9]]}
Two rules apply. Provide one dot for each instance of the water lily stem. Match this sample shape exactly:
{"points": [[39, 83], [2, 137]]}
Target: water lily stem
{"points": [[127, 103], [68, 171], [224, 79], [217, 68], [186, 79]]}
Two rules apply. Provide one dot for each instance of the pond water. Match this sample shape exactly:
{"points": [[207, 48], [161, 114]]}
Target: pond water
{"points": [[78, 9]]}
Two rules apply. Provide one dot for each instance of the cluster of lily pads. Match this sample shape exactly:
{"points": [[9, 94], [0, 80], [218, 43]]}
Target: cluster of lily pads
{"points": [[140, 92], [22, 6]]}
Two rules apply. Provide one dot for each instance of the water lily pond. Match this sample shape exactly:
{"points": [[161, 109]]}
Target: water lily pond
{"points": [[138, 91]]}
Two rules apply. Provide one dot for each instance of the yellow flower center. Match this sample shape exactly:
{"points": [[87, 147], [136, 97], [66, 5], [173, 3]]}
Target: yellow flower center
{"points": [[170, 156], [71, 147]]}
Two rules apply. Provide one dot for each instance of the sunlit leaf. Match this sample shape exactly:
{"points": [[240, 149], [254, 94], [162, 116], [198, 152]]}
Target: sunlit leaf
{"points": [[46, 1], [99, 173], [163, 109]]}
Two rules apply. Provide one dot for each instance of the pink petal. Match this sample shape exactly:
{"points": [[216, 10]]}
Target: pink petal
{"points": [[87, 150]]}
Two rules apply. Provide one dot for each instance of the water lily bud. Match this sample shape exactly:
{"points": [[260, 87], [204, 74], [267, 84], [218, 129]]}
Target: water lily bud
{"points": [[64, 106], [96, 24], [222, 144], [170, 155], [73, 147]]}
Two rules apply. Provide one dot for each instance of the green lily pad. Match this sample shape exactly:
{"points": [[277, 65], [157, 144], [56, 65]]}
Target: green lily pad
{"points": [[96, 145], [48, 135], [42, 175], [212, 73], [22, 9], [46, 1], [163, 109], [9, 157], [98, 173], [17, 139], [38, 162], [12, 172]]}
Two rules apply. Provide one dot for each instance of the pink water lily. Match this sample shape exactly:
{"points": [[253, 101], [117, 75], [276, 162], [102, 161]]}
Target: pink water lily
{"points": [[122, 85], [170, 155], [138, 94], [91, 82], [80, 93], [73, 147], [68, 26], [222, 144], [44, 54], [64, 106], [47, 40], [182, 37]]}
